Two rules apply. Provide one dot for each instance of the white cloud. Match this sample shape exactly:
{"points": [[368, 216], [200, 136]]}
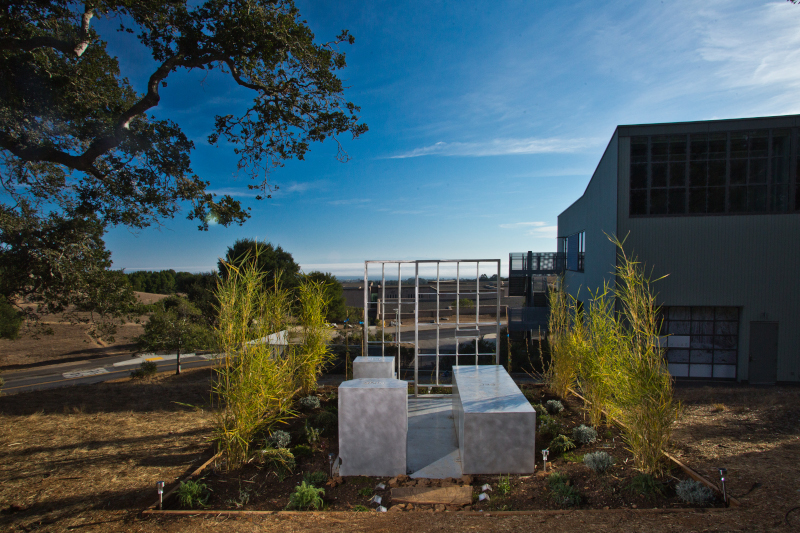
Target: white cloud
{"points": [[522, 224], [350, 201], [240, 193], [544, 232], [495, 147]]}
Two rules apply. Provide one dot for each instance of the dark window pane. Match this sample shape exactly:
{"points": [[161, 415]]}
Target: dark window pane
{"points": [[701, 356], [716, 172], [659, 147], [739, 171], [780, 170], [639, 176], [726, 313], [781, 143], [677, 174], [677, 201], [699, 147], [698, 171], [677, 148], [679, 327], [676, 355], [680, 313], [757, 198], [780, 198], [716, 199], [702, 327], [737, 199], [758, 171], [725, 357], [726, 328], [658, 201], [758, 143], [658, 175], [638, 149], [717, 146], [702, 313], [639, 202], [738, 145], [697, 200], [725, 342]]}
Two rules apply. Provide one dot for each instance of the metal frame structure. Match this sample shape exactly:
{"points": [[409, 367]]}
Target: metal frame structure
{"points": [[464, 331]]}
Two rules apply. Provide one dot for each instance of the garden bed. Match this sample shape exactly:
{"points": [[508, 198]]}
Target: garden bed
{"points": [[257, 487]]}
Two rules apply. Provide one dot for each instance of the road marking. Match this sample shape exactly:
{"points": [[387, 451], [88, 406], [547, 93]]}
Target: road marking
{"points": [[85, 373]]}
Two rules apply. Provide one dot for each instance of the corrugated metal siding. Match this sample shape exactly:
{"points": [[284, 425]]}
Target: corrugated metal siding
{"points": [[595, 213], [748, 261]]}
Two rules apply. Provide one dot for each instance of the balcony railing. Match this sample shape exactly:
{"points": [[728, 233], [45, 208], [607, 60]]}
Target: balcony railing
{"points": [[528, 318], [523, 264]]}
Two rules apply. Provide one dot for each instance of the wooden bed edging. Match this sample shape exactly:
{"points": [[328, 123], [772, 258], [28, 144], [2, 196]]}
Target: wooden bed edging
{"points": [[687, 469], [541, 512]]}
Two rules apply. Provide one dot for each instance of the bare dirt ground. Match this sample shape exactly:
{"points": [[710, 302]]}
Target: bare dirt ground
{"points": [[87, 458], [69, 342]]}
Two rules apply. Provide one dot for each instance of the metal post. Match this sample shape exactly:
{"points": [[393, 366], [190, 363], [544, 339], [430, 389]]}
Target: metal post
{"points": [[383, 308], [416, 312], [458, 293], [497, 317], [438, 320], [477, 307], [365, 331]]}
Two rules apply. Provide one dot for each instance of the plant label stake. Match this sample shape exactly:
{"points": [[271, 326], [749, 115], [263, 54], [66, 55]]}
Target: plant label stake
{"points": [[722, 473], [160, 489], [545, 452], [330, 461]]}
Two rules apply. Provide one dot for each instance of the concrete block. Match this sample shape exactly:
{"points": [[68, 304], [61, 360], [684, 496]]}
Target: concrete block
{"points": [[373, 367], [495, 423], [373, 427]]}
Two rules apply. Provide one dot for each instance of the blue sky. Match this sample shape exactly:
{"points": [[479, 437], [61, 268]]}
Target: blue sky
{"points": [[486, 121]]}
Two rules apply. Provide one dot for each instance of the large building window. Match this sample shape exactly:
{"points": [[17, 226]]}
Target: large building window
{"points": [[713, 173], [702, 342], [574, 249]]}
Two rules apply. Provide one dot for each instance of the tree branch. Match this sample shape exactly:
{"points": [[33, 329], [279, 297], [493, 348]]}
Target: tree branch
{"points": [[45, 41]]}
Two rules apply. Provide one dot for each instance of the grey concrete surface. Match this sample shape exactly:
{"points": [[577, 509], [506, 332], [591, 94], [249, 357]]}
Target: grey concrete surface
{"points": [[373, 367], [495, 423], [432, 444], [373, 427]]}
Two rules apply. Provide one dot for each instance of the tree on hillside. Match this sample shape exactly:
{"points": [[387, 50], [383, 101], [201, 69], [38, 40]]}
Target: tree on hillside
{"points": [[80, 149], [176, 325], [334, 294], [269, 259]]}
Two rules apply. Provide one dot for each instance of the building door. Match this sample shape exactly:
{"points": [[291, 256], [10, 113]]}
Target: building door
{"points": [[763, 352]]}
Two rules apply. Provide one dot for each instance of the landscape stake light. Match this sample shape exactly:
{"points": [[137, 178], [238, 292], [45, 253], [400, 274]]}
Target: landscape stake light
{"points": [[545, 452], [330, 461], [722, 473], [160, 489]]}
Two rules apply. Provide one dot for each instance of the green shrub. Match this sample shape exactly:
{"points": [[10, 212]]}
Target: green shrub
{"points": [[572, 457], [366, 492], [193, 493], [554, 406], [561, 444], [306, 497], [562, 492], [312, 435], [646, 485], [302, 450], [315, 478], [279, 461], [309, 403], [280, 439], [504, 485], [146, 369], [327, 421], [10, 320], [360, 509], [584, 434], [599, 462], [694, 492]]}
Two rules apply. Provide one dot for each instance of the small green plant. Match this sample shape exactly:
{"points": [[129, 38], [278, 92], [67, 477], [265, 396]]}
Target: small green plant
{"points": [[561, 491], [584, 434], [280, 439], [646, 485], [315, 478], [572, 457], [312, 435], [279, 461], [554, 407], [193, 493], [599, 462], [309, 402], [327, 421], [242, 500], [504, 485], [302, 450], [694, 492], [366, 492], [306, 497], [608, 434], [146, 369], [561, 444], [360, 509]]}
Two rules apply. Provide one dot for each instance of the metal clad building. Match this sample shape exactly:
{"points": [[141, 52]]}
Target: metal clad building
{"points": [[715, 207]]}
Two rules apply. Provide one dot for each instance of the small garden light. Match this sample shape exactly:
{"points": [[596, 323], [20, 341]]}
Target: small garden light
{"points": [[545, 453], [722, 473], [160, 489], [330, 461]]}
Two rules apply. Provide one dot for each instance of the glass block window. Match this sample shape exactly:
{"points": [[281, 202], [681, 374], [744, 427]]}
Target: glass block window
{"points": [[713, 173], [702, 342]]}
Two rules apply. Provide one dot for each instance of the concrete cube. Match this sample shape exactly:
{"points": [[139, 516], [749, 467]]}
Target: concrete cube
{"points": [[373, 427], [373, 367], [495, 423]]}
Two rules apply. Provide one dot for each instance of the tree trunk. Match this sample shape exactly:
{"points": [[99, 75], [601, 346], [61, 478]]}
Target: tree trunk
{"points": [[178, 367]]}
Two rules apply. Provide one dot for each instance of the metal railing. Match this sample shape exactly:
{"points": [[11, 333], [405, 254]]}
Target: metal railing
{"points": [[522, 264], [528, 318]]}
